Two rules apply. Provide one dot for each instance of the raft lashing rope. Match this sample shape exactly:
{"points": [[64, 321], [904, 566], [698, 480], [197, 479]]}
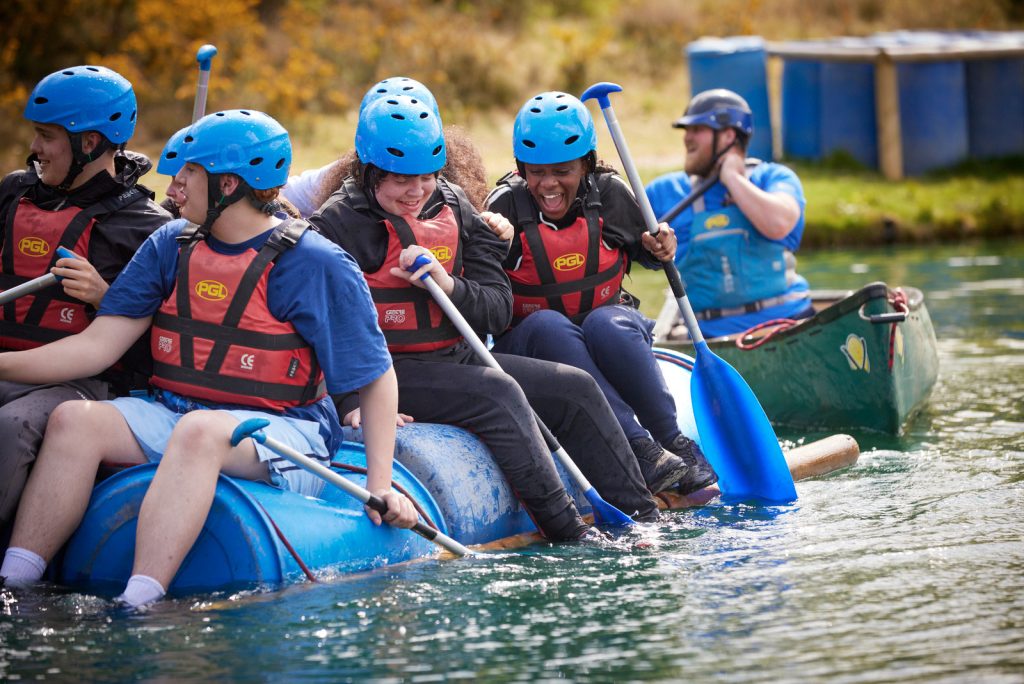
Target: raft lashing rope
{"points": [[898, 301]]}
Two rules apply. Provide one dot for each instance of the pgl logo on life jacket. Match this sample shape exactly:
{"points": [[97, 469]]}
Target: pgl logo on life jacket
{"points": [[716, 221], [164, 344], [211, 290], [569, 262], [248, 360], [394, 316], [33, 246], [67, 315], [443, 253]]}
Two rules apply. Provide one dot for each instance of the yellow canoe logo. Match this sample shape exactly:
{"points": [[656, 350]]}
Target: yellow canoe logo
{"points": [[211, 290], [443, 253], [569, 262], [33, 246], [856, 352], [716, 221]]}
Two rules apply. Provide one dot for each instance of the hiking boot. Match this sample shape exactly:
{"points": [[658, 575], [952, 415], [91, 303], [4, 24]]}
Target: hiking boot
{"points": [[700, 474], [660, 468], [592, 535]]}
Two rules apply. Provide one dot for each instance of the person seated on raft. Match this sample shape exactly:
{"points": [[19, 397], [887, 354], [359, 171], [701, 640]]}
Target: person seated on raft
{"points": [[736, 242], [293, 341], [81, 190], [578, 229], [393, 207], [308, 190]]}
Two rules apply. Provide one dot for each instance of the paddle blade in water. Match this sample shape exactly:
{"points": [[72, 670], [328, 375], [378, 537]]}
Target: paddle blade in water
{"points": [[735, 433]]}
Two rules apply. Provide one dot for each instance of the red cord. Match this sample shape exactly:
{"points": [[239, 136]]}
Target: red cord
{"points": [[898, 300], [287, 544], [400, 488], [780, 325]]}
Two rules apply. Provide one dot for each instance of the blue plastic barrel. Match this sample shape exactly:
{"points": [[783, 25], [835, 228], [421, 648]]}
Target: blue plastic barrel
{"points": [[801, 109], [738, 63], [995, 107], [933, 103], [243, 542], [848, 120]]}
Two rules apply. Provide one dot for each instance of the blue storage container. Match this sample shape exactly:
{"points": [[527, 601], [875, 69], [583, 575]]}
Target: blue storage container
{"points": [[995, 107], [801, 109], [739, 64]]}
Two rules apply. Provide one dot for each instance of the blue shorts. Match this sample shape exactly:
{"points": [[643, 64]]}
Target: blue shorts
{"points": [[152, 423]]}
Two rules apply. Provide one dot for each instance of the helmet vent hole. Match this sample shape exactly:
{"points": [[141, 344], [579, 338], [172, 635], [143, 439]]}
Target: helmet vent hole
{"points": [[535, 110], [68, 73], [398, 116], [132, 117], [188, 139], [280, 163], [424, 115], [559, 96], [41, 100], [171, 155], [219, 114], [93, 69], [571, 139], [255, 161], [115, 116], [530, 144], [396, 152], [242, 111], [437, 151], [561, 108]]}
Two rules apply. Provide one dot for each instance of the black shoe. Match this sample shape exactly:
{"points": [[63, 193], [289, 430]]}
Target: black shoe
{"points": [[701, 474], [660, 468], [592, 535]]}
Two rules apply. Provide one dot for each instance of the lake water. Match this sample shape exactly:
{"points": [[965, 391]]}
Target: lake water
{"points": [[908, 566]]}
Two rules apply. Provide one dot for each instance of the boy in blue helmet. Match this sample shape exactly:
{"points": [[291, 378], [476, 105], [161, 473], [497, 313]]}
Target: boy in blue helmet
{"points": [[246, 322], [393, 207], [578, 231], [79, 191], [736, 242]]}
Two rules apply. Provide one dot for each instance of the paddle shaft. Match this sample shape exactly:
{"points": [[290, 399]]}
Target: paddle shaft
{"points": [[36, 284], [669, 266], [204, 56], [352, 489], [602, 509], [684, 203]]}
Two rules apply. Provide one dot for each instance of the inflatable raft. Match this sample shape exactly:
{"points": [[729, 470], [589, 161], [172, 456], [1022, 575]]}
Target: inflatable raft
{"points": [[257, 535]]}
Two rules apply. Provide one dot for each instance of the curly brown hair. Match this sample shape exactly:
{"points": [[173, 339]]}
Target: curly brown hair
{"points": [[464, 167]]}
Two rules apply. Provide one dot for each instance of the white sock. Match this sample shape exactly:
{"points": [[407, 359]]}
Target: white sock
{"points": [[141, 589], [22, 565]]}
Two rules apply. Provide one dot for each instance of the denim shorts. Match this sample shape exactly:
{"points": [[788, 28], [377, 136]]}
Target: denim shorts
{"points": [[151, 422]]}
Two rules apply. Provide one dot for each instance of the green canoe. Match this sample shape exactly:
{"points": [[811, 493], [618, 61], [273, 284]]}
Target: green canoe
{"points": [[866, 360]]}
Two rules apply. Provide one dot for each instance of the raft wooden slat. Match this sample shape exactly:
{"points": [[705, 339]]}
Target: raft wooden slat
{"points": [[885, 59]]}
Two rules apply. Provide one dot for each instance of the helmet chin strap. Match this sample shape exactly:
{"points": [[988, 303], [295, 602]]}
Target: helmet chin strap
{"points": [[79, 158], [716, 155], [217, 202]]}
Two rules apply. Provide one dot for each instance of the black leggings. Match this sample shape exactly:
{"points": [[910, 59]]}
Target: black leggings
{"points": [[454, 389]]}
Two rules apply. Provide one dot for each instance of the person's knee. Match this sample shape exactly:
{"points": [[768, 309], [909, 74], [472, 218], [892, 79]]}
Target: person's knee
{"points": [[613, 320], [198, 434], [547, 330], [71, 433]]}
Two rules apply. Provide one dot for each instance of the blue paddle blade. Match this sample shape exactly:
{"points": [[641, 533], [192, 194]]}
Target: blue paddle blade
{"points": [[735, 433], [604, 512]]}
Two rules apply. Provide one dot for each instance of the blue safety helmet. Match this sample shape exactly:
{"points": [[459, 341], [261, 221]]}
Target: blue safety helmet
{"points": [[400, 85], [401, 134], [85, 98], [247, 143], [718, 109], [170, 159], [552, 128]]}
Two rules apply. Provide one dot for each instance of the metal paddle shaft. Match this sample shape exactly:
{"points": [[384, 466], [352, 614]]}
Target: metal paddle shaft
{"points": [[36, 284], [603, 510], [253, 428], [204, 56], [734, 431]]}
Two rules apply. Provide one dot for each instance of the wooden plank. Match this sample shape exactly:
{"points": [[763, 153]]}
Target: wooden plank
{"points": [[887, 118]]}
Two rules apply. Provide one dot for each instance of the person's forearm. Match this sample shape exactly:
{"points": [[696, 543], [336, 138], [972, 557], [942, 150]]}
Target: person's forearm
{"points": [[773, 214], [378, 404]]}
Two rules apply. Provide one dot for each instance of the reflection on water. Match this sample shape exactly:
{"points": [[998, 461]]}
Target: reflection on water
{"points": [[908, 566]]}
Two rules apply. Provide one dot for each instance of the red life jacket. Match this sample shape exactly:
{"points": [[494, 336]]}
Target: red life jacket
{"points": [[31, 238], [409, 317], [214, 339], [570, 269]]}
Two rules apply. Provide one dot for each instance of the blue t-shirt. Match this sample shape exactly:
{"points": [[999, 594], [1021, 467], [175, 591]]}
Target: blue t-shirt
{"points": [[665, 191], [315, 286]]}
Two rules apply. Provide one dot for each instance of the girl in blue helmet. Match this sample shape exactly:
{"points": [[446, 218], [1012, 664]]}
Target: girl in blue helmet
{"points": [[578, 230], [242, 309], [463, 167], [393, 207], [80, 191]]}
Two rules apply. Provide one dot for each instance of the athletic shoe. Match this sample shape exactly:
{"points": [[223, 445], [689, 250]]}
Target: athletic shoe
{"points": [[700, 474], [660, 468]]}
